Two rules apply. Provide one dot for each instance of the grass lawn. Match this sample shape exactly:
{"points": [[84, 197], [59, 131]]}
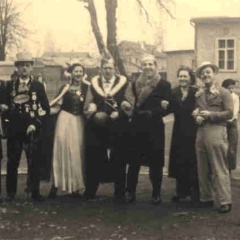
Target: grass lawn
{"points": [[68, 218]]}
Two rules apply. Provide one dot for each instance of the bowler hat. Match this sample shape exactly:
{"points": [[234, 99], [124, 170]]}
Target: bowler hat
{"points": [[23, 57], [206, 64]]}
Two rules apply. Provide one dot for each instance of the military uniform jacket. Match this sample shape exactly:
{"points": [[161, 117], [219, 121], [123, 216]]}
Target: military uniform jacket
{"points": [[22, 114]]}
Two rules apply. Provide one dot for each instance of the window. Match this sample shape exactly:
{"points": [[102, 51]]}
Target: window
{"points": [[226, 54]]}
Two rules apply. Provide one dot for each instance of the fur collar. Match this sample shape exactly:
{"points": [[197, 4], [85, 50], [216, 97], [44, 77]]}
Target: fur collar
{"points": [[144, 87], [116, 88]]}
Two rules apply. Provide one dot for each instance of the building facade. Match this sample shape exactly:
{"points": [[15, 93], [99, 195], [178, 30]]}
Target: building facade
{"points": [[175, 59], [217, 39]]}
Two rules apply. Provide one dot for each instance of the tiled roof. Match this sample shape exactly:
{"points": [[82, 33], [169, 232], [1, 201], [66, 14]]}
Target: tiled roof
{"points": [[219, 19]]}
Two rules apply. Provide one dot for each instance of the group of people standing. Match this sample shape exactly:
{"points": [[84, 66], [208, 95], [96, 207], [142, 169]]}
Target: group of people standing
{"points": [[205, 136], [108, 127]]}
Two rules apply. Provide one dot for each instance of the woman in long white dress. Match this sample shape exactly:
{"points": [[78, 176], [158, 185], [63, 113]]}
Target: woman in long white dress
{"points": [[68, 150]]}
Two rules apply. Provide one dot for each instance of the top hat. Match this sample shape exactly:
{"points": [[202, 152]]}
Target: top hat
{"points": [[24, 57], [206, 64]]}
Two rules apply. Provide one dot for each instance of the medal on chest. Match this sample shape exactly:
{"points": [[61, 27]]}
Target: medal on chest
{"points": [[80, 95], [34, 96]]}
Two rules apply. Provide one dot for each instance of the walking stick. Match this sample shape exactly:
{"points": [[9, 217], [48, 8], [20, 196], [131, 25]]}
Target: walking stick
{"points": [[28, 190]]}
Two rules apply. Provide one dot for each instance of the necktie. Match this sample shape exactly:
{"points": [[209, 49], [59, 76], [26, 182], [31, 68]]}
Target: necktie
{"points": [[22, 87], [107, 86]]}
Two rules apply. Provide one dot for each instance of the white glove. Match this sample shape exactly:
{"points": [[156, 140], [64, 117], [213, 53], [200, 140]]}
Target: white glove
{"points": [[164, 104], [31, 129], [114, 115]]}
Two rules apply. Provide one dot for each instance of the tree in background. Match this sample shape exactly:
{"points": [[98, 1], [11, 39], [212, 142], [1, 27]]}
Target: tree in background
{"points": [[111, 48], [12, 28], [51, 44]]}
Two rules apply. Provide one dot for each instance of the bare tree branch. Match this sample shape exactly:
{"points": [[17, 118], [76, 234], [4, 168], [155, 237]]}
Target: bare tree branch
{"points": [[143, 8], [160, 2], [12, 30]]}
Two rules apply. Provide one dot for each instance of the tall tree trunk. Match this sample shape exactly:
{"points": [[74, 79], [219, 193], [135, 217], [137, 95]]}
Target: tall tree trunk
{"points": [[95, 28], [2, 53], [111, 8]]}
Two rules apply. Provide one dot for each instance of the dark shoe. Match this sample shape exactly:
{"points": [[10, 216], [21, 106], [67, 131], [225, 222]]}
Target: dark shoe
{"points": [[119, 199], [175, 198], [53, 192], [130, 197], [225, 208], [10, 198], [156, 199], [195, 197], [207, 204], [38, 198], [88, 197], [75, 195]]}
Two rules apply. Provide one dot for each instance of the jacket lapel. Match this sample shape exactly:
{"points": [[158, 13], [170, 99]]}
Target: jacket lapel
{"points": [[203, 100], [144, 88], [178, 95], [212, 99]]}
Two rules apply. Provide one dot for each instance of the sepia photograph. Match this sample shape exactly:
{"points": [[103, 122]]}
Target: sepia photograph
{"points": [[119, 120]]}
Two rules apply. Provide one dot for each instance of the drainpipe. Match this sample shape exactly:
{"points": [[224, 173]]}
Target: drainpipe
{"points": [[195, 43]]}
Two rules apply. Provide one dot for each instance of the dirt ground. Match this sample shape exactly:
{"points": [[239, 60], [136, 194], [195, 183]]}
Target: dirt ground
{"points": [[68, 218]]}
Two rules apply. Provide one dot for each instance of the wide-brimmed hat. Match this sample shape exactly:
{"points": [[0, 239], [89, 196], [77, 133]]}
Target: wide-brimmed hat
{"points": [[206, 64], [24, 57]]}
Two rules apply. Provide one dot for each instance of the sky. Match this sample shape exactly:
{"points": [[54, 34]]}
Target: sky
{"points": [[66, 23]]}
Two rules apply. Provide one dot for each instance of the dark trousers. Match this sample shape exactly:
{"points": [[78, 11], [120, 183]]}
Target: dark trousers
{"points": [[0, 176], [1, 155], [14, 150], [232, 131], [185, 187], [101, 168], [155, 175]]}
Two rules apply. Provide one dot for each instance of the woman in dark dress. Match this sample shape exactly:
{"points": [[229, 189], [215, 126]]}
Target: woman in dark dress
{"points": [[183, 162]]}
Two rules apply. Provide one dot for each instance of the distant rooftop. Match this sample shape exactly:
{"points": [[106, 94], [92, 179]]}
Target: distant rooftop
{"points": [[66, 54], [220, 19], [142, 47], [180, 51]]}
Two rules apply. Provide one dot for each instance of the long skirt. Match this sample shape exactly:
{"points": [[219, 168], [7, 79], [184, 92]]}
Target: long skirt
{"points": [[68, 152]]}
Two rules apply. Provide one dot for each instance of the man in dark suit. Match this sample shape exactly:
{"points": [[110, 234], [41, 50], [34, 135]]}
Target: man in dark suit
{"points": [[105, 131], [28, 104], [147, 95]]}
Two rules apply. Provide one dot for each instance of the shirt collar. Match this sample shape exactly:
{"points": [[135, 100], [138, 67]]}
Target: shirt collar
{"points": [[110, 80], [24, 80]]}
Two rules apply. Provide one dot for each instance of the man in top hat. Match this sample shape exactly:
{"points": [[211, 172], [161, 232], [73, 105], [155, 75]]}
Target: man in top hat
{"points": [[28, 104], [105, 131], [147, 95], [214, 106]]}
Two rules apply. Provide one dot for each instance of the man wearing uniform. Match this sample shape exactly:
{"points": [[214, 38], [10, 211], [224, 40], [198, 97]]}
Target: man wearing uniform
{"points": [[28, 104]]}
